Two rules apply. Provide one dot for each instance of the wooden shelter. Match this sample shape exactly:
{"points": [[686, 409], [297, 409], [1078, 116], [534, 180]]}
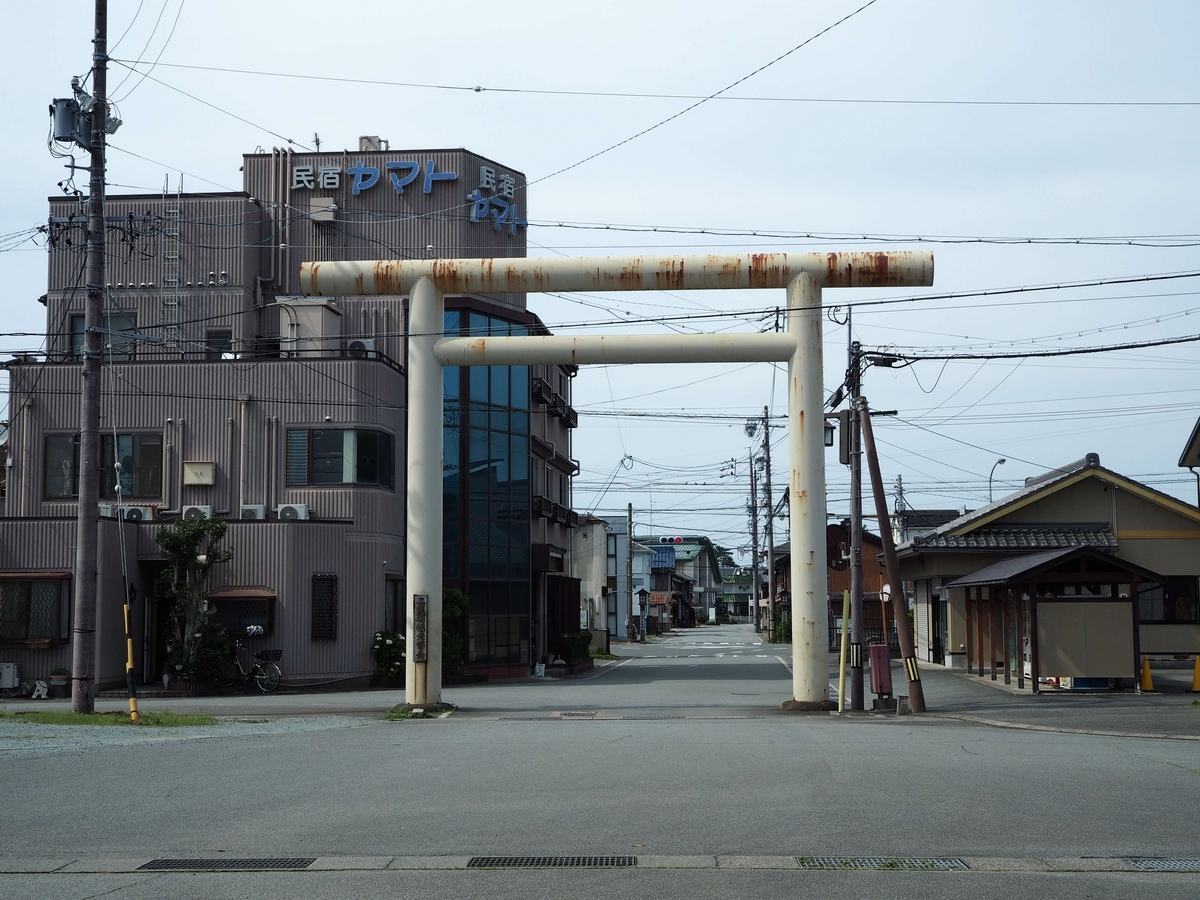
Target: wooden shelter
{"points": [[1057, 614]]}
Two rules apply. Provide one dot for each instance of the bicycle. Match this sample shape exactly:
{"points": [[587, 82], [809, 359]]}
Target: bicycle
{"points": [[263, 671]]}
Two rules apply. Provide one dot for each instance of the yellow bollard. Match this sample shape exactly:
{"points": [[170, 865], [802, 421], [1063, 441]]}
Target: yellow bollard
{"points": [[1196, 677], [1147, 680]]}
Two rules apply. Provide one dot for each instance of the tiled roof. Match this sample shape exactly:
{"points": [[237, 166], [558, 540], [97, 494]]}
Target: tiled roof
{"points": [[664, 557], [1040, 536]]}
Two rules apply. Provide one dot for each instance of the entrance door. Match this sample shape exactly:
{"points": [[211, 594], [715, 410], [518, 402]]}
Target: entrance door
{"points": [[938, 650], [612, 617]]}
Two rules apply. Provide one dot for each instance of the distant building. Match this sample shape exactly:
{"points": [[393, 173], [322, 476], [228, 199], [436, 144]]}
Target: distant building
{"points": [[695, 590], [227, 394]]}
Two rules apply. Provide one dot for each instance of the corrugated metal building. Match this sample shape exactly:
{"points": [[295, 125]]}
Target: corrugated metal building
{"points": [[226, 392]]}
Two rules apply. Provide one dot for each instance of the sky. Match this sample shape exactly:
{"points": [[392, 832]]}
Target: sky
{"points": [[1063, 135]]}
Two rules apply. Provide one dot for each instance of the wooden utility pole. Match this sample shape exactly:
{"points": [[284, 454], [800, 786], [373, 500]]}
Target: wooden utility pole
{"points": [[629, 567], [854, 379], [916, 694], [755, 587], [83, 650], [769, 527]]}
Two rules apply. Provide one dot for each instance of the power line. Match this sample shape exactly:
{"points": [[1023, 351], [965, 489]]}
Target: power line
{"points": [[644, 95], [218, 108], [1034, 354], [702, 100]]}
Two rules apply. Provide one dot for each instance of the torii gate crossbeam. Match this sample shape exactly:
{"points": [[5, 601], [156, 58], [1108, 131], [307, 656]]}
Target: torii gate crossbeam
{"points": [[426, 282]]}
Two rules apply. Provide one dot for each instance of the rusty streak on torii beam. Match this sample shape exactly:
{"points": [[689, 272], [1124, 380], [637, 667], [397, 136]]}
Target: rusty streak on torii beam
{"points": [[803, 275]]}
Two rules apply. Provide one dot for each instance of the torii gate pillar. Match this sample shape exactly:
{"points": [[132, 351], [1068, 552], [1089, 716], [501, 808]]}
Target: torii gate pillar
{"points": [[803, 275]]}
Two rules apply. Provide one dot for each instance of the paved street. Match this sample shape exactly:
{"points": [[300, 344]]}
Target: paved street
{"points": [[677, 754]]}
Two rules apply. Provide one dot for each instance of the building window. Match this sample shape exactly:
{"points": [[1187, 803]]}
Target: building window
{"points": [[140, 475], [218, 345], [34, 609], [324, 607], [113, 346], [60, 473], [340, 456], [239, 613], [395, 608], [1171, 602]]}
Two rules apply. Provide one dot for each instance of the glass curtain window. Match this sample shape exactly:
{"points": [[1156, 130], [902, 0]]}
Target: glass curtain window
{"points": [[486, 439]]}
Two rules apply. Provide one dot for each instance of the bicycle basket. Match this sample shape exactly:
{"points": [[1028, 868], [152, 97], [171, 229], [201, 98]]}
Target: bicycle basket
{"points": [[269, 655]]}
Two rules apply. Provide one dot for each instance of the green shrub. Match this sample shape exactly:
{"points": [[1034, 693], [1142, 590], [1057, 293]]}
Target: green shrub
{"points": [[388, 648], [574, 646]]}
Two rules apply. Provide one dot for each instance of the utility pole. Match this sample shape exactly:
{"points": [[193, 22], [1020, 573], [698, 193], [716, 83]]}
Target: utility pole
{"points": [[769, 526], [83, 652], [629, 565], [916, 693], [854, 383], [755, 588]]}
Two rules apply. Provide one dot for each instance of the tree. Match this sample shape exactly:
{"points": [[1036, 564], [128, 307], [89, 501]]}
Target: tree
{"points": [[724, 556], [190, 548]]}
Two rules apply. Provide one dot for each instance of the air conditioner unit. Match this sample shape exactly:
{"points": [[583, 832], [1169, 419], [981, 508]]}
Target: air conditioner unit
{"points": [[361, 348], [253, 511], [197, 512], [108, 511], [290, 512], [138, 513]]}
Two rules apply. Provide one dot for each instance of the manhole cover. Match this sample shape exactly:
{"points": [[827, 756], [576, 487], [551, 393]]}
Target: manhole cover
{"points": [[551, 862], [920, 863], [227, 865], [1166, 865]]}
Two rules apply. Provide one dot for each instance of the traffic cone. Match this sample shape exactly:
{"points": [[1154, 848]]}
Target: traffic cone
{"points": [[1147, 680], [1196, 677]]}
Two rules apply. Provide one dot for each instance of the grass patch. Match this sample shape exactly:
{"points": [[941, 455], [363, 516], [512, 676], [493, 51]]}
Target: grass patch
{"points": [[164, 719], [600, 654], [429, 711]]}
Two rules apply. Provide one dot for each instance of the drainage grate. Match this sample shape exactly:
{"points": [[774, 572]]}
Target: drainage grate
{"points": [[551, 862], [920, 863], [227, 865], [647, 718], [1166, 865]]}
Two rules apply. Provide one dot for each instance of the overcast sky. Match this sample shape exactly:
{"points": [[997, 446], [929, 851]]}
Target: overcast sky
{"points": [[791, 164]]}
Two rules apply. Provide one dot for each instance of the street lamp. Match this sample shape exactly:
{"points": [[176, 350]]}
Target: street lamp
{"points": [[998, 462]]}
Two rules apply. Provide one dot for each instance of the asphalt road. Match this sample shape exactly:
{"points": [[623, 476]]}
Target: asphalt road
{"points": [[677, 754]]}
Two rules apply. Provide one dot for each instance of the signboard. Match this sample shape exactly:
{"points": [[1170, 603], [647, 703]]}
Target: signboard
{"points": [[493, 199], [659, 598]]}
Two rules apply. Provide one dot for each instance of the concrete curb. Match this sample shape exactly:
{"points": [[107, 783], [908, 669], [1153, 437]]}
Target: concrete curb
{"points": [[1022, 726], [974, 864]]}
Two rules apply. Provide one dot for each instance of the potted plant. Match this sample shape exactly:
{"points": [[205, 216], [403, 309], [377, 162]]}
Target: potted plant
{"points": [[60, 682]]}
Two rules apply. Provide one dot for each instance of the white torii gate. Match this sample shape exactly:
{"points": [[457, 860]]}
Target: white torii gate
{"points": [[426, 282]]}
